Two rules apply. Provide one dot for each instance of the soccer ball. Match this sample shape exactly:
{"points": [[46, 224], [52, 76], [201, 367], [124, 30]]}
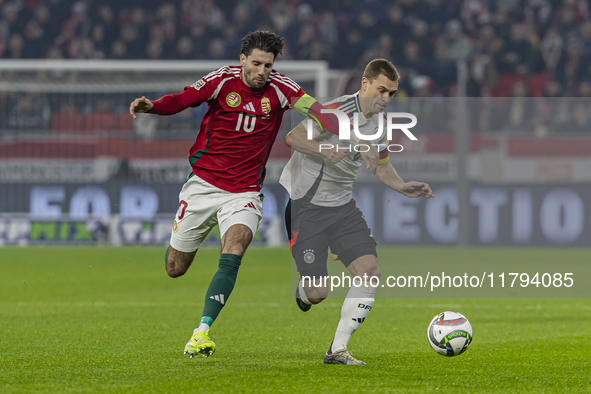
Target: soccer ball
{"points": [[449, 333]]}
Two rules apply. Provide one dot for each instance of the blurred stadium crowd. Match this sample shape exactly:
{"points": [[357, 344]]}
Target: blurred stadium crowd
{"points": [[514, 48], [547, 39]]}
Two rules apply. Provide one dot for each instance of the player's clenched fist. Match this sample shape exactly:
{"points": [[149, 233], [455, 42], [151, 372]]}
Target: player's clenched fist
{"points": [[140, 105]]}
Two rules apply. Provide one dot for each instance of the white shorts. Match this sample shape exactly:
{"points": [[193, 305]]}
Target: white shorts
{"points": [[202, 206]]}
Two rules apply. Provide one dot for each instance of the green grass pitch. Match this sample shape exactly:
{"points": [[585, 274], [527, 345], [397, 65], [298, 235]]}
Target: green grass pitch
{"points": [[109, 320]]}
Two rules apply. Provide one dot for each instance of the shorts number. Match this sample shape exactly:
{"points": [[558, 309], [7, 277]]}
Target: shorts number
{"points": [[184, 205]]}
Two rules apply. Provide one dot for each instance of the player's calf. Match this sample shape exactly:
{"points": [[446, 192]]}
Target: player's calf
{"points": [[237, 238], [373, 274], [177, 262]]}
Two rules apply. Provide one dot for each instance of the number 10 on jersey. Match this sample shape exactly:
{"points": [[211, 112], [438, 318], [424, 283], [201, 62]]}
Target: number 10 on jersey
{"points": [[249, 122]]}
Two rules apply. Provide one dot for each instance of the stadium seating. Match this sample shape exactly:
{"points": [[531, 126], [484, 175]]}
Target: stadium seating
{"points": [[505, 83], [537, 83], [67, 121], [99, 121]]}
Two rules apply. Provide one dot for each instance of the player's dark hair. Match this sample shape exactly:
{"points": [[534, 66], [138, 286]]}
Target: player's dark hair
{"points": [[378, 67], [266, 41]]}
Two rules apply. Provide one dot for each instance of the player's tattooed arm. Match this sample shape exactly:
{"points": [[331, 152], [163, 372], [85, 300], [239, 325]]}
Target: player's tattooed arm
{"points": [[389, 177], [298, 140]]}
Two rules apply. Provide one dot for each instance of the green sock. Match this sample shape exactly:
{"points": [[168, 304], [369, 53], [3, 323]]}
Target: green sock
{"points": [[220, 287], [166, 256]]}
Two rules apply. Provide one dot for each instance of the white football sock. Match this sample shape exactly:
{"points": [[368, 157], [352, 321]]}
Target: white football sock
{"points": [[201, 327], [355, 309]]}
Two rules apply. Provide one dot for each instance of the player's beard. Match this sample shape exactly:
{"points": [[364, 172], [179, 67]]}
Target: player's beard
{"points": [[251, 81]]}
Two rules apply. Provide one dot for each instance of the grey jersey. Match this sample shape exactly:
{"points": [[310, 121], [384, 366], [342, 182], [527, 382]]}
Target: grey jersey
{"points": [[336, 184]]}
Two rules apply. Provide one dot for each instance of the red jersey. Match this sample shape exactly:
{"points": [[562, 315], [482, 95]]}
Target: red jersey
{"points": [[239, 128]]}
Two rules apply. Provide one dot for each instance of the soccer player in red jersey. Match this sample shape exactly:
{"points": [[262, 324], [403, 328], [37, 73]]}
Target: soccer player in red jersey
{"points": [[246, 105]]}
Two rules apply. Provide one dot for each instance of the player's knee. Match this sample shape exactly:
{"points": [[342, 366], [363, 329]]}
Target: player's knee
{"points": [[374, 270], [174, 270], [177, 263], [316, 294]]}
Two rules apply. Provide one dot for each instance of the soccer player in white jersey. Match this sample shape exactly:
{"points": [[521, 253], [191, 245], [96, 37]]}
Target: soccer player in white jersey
{"points": [[322, 213]]}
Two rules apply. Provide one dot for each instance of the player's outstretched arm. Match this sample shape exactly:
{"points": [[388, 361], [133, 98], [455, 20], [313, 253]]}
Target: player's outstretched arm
{"points": [[140, 105], [169, 104], [298, 139], [389, 177]]}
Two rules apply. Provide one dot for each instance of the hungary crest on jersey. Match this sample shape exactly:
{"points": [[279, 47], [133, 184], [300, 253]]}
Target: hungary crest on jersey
{"points": [[266, 105]]}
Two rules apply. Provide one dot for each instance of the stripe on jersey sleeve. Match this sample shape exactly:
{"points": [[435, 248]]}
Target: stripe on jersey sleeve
{"points": [[349, 108], [290, 83], [282, 99], [221, 71], [217, 90]]}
